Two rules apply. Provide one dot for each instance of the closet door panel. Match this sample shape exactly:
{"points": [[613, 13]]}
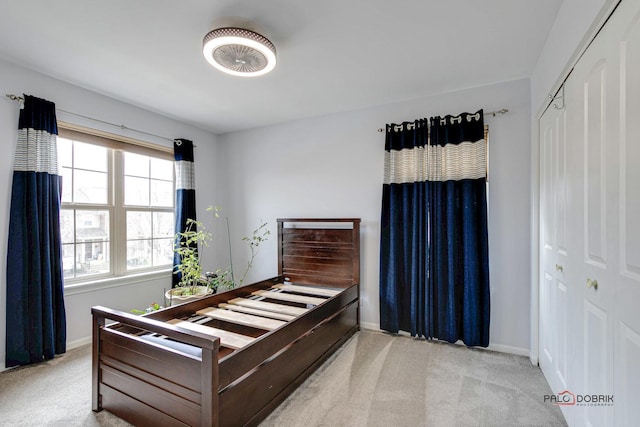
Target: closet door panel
{"points": [[630, 151], [555, 248], [597, 359], [548, 329], [562, 309], [560, 187], [627, 292], [547, 196], [597, 117], [627, 389], [595, 201]]}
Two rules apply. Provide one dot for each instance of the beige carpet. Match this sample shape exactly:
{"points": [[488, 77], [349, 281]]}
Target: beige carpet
{"points": [[381, 380], [375, 379]]}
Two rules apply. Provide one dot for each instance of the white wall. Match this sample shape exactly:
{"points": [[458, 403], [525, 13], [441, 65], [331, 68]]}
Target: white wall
{"points": [[332, 166], [18, 80]]}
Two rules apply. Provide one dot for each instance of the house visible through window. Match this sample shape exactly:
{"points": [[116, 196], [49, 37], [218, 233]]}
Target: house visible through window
{"points": [[117, 214]]}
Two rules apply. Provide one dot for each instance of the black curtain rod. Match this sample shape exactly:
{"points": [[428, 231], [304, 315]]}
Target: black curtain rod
{"points": [[490, 113], [122, 127]]}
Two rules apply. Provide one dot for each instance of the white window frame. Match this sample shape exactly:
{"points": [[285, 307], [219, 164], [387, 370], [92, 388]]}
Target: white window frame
{"points": [[119, 275]]}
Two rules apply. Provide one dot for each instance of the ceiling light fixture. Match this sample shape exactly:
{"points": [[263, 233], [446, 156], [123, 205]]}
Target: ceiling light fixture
{"points": [[239, 52]]}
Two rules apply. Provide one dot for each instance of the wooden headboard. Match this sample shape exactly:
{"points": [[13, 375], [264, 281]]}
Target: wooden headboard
{"points": [[319, 251]]}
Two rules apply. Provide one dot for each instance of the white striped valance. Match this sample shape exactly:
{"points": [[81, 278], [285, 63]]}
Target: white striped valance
{"points": [[37, 151], [451, 162], [185, 175]]}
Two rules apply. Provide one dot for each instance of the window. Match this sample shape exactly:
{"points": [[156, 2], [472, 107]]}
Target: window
{"points": [[117, 214]]}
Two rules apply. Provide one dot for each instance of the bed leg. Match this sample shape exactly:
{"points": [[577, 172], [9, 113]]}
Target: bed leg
{"points": [[96, 401], [210, 408]]}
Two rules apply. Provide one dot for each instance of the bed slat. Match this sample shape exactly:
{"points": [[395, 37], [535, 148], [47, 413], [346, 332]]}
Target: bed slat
{"points": [[248, 310], [289, 297], [227, 339], [307, 290], [269, 306], [241, 318]]}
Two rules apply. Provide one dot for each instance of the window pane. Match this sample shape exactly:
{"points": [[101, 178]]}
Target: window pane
{"points": [[65, 152], [88, 156], [162, 252], [138, 225], [92, 258], [136, 191], [92, 226], [85, 249], [136, 165], [66, 225], [161, 193], [68, 252], [67, 184], [138, 254], [163, 224], [162, 169], [90, 187]]}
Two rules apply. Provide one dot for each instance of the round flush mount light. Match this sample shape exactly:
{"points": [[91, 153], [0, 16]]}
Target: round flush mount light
{"points": [[239, 52]]}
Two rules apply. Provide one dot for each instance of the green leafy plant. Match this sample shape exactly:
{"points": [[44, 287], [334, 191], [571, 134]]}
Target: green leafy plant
{"points": [[259, 235], [223, 279], [152, 307], [187, 245]]}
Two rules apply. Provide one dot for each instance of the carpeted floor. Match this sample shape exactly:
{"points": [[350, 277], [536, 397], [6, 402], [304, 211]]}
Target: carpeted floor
{"points": [[375, 379]]}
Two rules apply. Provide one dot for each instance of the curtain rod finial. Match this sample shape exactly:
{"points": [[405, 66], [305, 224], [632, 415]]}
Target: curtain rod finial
{"points": [[14, 97]]}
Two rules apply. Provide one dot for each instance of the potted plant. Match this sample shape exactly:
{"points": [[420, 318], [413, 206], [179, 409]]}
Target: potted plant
{"points": [[193, 283]]}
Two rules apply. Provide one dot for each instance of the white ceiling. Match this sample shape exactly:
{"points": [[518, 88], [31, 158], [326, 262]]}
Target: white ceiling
{"points": [[333, 55]]}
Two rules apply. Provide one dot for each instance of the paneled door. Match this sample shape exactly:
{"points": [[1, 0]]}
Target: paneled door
{"points": [[554, 247], [593, 89], [590, 200], [608, 125], [626, 297]]}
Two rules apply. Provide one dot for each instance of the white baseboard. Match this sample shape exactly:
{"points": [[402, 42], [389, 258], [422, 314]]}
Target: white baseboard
{"points": [[370, 326], [501, 348], [533, 358], [78, 343], [493, 347]]}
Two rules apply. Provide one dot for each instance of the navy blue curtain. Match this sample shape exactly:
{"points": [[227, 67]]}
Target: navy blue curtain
{"points": [[36, 320], [185, 190], [404, 231], [434, 262]]}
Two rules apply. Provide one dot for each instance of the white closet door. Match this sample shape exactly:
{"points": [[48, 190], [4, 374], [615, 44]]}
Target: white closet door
{"points": [[590, 311], [608, 77], [594, 83], [627, 210], [555, 248]]}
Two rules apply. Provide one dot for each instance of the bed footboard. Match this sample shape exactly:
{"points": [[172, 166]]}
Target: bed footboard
{"points": [[153, 373]]}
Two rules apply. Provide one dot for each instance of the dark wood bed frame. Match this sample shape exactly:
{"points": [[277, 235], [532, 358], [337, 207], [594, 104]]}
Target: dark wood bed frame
{"points": [[149, 370]]}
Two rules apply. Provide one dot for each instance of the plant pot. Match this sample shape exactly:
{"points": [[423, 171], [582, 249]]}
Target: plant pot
{"points": [[175, 296]]}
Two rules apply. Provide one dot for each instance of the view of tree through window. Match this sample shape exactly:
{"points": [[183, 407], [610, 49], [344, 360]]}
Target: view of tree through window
{"points": [[114, 222]]}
